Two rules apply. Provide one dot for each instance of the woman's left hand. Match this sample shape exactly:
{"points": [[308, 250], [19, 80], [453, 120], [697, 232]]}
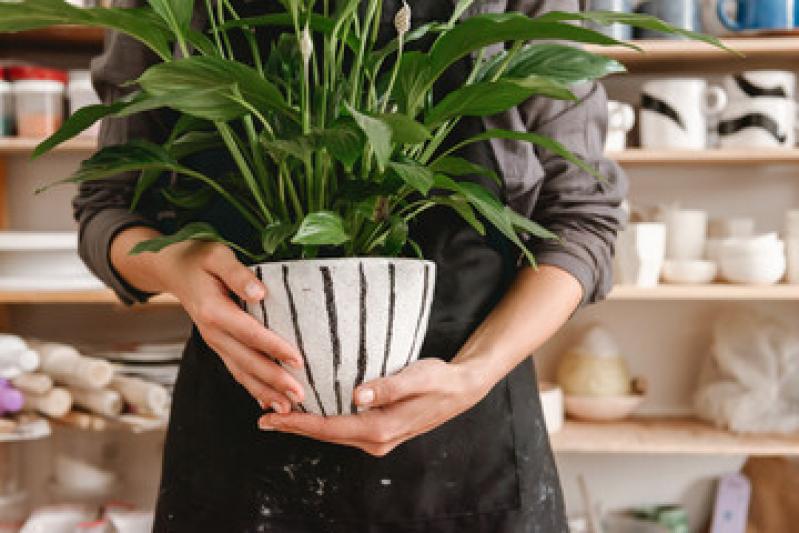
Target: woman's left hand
{"points": [[421, 397]]}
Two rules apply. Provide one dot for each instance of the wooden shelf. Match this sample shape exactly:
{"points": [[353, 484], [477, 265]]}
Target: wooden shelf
{"points": [[13, 145], [56, 37], [689, 56], [715, 291], [667, 435], [643, 157], [72, 297]]}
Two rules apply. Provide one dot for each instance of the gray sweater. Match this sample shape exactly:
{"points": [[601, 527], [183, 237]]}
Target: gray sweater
{"points": [[583, 211]]}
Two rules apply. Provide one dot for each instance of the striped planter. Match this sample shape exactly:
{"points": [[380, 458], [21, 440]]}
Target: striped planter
{"points": [[353, 320]]}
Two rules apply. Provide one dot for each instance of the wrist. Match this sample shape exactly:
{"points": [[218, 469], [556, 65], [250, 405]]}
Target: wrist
{"points": [[145, 272]]}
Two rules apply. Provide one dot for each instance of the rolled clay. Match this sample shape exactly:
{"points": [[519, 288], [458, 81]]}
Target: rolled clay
{"points": [[34, 383], [66, 365], [56, 402], [143, 396], [104, 401]]}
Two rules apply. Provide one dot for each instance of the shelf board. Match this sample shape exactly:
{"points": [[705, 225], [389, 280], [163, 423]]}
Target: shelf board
{"points": [[14, 145], [690, 56], [55, 37], [715, 291], [667, 435], [644, 157], [100, 296]]}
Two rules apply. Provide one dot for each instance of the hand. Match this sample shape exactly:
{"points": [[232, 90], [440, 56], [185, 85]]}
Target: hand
{"points": [[421, 397], [201, 274]]}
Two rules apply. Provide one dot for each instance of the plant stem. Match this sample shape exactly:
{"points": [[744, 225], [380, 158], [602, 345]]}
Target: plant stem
{"points": [[252, 183]]}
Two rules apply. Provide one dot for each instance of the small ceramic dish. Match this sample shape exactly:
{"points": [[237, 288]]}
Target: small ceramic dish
{"points": [[688, 271], [552, 405], [601, 408]]}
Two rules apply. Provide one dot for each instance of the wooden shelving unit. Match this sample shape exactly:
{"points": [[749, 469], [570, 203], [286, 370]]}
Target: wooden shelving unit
{"points": [[13, 145], [641, 157], [667, 435], [714, 291], [684, 56], [101, 296], [81, 37]]}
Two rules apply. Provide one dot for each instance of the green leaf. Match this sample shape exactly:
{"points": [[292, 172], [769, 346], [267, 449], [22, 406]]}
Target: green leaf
{"points": [[300, 148], [141, 23], [526, 225], [377, 132], [461, 205], [395, 238], [404, 129], [457, 166], [492, 97], [534, 138], [323, 228], [196, 199], [316, 23], [275, 234], [219, 84], [411, 85], [639, 20], [563, 64], [175, 13], [414, 174], [196, 230], [460, 9], [344, 141], [195, 142]]}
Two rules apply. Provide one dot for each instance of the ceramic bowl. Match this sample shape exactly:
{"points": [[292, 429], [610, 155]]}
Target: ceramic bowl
{"points": [[688, 271], [601, 408], [552, 405], [757, 270], [41, 255], [766, 244]]}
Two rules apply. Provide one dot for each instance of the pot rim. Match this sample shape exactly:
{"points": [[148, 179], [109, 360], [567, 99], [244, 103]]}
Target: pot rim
{"points": [[334, 260]]}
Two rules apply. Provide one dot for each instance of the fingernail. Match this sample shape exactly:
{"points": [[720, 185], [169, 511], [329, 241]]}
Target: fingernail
{"points": [[278, 407], [254, 290], [264, 425], [293, 397], [295, 363], [261, 404], [366, 396]]}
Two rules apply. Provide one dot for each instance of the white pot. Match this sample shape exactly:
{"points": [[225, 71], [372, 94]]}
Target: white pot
{"points": [[353, 320]]}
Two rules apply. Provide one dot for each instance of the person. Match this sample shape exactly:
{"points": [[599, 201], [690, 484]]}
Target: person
{"points": [[454, 443]]}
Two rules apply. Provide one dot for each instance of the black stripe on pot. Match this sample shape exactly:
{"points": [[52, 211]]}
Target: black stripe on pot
{"points": [[392, 303], [362, 354], [298, 335], [332, 320], [656, 105], [754, 120], [260, 274], [421, 313], [754, 91]]}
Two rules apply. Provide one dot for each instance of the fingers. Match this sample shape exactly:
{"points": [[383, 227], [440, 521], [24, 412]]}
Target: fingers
{"points": [[222, 262], [265, 395], [415, 379]]}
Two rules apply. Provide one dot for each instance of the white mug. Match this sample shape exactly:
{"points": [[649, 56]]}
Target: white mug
{"points": [[640, 250], [674, 112], [758, 122], [621, 119], [760, 84], [686, 232]]}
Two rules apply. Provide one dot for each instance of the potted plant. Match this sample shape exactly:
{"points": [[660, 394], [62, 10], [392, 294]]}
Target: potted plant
{"points": [[337, 144]]}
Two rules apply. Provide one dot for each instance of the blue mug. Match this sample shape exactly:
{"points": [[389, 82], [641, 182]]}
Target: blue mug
{"points": [[760, 14], [620, 32], [685, 14]]}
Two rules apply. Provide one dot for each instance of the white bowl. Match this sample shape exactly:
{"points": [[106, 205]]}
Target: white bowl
{"points": [[41, 255], [601, 408], [766, 244], [756, 270], [688, 271], [552, 405]]}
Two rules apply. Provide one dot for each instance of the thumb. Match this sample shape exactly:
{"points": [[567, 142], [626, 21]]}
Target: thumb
{"points": [[222, 262], [384, 391]]}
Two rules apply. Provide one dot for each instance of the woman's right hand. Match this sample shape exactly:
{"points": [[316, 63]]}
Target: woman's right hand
{"points": [[202, 275]]}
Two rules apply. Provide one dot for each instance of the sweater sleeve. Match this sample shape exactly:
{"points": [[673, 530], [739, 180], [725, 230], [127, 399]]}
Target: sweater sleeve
{"points": [[102, 207], [583, 211]]}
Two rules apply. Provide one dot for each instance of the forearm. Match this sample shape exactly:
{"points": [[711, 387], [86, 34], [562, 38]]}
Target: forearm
{"points": [[143, 271], [538, 303]]}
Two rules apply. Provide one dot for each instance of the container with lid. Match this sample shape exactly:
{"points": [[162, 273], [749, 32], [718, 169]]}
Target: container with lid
{"points": [[81, 94], [39, 100], [7, 122]]}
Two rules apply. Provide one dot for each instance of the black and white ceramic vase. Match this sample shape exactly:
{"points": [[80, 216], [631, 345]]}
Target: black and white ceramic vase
{"points": [[353, 320]]}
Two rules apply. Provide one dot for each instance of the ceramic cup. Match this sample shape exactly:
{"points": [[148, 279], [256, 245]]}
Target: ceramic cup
{"points": [[620, 32], [674, 112], [726, 227], [758, 14], [685, 14], [621, 119], [686, 232], [792, 257], [710, 18], [640, 251]]}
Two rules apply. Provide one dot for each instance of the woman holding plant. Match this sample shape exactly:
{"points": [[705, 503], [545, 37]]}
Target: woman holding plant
{"points": [[455, 442]]}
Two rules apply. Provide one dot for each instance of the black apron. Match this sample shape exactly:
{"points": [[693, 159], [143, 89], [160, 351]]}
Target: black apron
{"points": [[488, 470]]}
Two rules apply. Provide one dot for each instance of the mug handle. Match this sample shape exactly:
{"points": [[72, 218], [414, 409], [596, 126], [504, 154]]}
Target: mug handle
{"points": [[719, 98], [722, 14]]}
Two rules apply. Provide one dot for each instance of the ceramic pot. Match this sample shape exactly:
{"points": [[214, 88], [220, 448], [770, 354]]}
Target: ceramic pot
{"points": [[353, 320]]}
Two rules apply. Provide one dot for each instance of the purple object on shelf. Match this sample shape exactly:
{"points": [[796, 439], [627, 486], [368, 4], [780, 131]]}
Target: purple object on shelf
{"points": [[11, 400]]}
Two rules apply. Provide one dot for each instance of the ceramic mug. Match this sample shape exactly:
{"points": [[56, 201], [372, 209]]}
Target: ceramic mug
{"points": [[686, 232], [619, 32], [674, 112], [710, 18], [758, 123], [760, 84], [759, 14], [685, 14], [621, 119], [640, 250]]}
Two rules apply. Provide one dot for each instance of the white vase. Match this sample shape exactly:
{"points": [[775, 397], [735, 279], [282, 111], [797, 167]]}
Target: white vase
{"points": [[353, 320]]}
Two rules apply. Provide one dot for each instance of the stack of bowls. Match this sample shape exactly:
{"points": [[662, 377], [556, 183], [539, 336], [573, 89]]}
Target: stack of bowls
{"points": [[758, 260]]}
